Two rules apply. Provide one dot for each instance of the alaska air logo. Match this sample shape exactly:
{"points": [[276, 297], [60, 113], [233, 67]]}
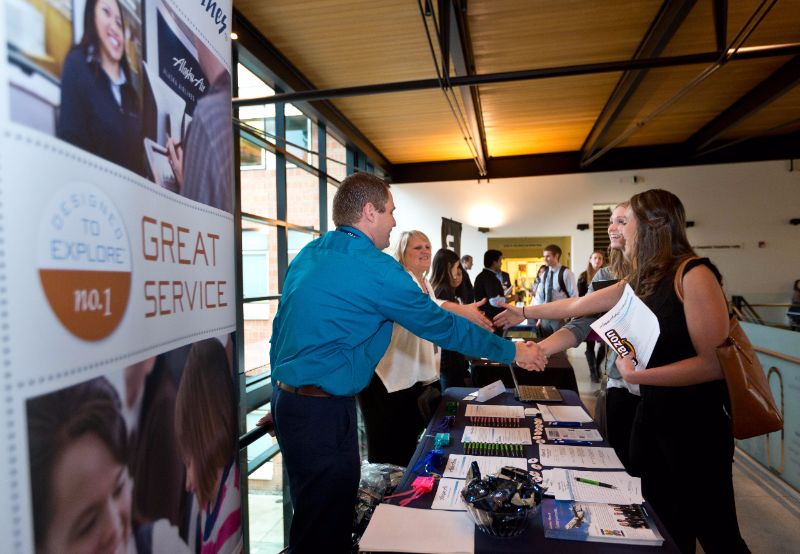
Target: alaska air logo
{"points": [[622, 345]]}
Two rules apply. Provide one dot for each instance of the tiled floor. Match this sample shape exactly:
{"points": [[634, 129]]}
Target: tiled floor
{"points": [[266, 523], [769, 511]]}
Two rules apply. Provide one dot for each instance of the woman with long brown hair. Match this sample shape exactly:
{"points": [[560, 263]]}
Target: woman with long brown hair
{"points": [[682, 443], [100, 109]]}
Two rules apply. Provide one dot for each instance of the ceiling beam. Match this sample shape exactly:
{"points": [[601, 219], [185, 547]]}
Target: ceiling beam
{"points": [[760, 96], [721, 23], [666, 23], [290, 77], [464, 65], [312, 94], [444, 37], [620, 159]]}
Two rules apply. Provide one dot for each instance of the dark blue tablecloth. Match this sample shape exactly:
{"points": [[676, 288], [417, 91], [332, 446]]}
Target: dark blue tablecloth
{"points": [[532, 539]]}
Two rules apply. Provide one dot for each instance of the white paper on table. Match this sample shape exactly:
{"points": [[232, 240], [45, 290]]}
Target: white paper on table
{"points": [[564, 486], [558, 455], [448, 495], [458, 464], [550, 481], [570, 434], [490, 391], [532, 412], [398, 529], [564, 413], [479, 410], [497, 435], [629, 328]]}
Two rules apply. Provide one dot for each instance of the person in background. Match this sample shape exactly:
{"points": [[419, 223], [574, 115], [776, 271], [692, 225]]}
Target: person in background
{"points": [[595, 360], [559, 282], [446, 278], [489, 285], [682, 386], [393, 415], [80, 485], [100, 111], [334, 322], [206, 429], [538, 281], [794, 310], [466, 292], [622, 398]]}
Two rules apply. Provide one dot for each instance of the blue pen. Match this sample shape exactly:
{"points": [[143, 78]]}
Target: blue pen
{"points": [[572, 442], [563, 423]]}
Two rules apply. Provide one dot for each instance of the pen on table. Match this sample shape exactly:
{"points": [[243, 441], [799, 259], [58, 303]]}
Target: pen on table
{"points": [[596, 483], [563, 423], [572, 442]]}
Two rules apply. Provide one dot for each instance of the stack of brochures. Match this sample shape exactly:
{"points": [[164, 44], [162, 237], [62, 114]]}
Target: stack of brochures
{"points": [[597, 506], [595, 522]]}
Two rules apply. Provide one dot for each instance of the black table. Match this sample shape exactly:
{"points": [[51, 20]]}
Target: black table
{"points": [[532, 539]]}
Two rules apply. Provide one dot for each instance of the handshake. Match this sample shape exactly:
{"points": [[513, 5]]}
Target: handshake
{"points": [[530, 356]]}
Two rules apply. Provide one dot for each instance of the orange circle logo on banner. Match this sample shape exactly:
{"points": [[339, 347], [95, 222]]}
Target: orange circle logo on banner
{"points": [[85, 261]]}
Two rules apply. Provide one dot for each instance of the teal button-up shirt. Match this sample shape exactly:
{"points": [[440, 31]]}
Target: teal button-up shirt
{"points": [[334, 320]]}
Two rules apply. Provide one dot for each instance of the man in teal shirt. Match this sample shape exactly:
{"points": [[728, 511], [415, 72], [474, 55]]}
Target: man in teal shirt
{"points": [[333, 325]]}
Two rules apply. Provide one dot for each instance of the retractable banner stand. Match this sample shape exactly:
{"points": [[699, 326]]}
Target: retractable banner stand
{"points": [[118, 416]]}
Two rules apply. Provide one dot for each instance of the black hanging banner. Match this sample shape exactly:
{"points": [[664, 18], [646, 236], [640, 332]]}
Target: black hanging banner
{"points": [[451, 235]]}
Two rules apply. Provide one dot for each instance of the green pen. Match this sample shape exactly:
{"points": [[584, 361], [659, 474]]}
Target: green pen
{"points": [[596, 483]]}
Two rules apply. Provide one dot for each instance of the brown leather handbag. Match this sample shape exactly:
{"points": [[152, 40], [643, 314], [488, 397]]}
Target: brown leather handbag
{"points": [[753, 409]]}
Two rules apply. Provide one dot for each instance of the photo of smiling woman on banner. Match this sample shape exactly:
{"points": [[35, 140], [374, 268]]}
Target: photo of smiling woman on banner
{"points": [[100, 109]]}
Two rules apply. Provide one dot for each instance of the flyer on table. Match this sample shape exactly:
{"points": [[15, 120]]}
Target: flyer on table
{"points": [[117, 280]]}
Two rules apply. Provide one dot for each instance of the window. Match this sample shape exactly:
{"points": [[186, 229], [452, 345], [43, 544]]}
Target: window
{"points": [[302, 197], [269, 244], [336, 152]]}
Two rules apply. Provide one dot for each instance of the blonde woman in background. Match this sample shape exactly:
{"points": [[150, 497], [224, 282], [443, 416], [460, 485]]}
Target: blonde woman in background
{"points": [[390, 404]]}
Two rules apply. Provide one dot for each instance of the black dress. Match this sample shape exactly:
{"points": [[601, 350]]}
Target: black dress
{"points": [[682, 443], [453, 368]]}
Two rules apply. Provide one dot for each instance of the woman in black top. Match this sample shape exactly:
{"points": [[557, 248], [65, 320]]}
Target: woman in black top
{"points": [[100, 109], [446, 277], [682, 444]]}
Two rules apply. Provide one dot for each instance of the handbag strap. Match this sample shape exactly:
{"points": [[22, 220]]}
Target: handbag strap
{"points": [[678, 283]]}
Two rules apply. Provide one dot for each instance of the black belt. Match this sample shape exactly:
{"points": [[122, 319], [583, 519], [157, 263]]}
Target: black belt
{"points": [[304, 390]]}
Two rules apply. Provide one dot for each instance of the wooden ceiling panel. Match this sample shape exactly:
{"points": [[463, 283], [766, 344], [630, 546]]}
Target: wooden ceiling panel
{"points": [[508, 36], [781, 25], [408, 127], [695, 109], [785, 109], [548, 115], [338, 43]]}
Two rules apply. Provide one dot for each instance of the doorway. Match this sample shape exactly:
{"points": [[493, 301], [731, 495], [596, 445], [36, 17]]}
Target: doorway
{"points": [[522, 258]]}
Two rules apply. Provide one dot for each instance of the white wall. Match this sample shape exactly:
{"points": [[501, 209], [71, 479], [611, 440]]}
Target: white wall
{"points": [[734, 204]]}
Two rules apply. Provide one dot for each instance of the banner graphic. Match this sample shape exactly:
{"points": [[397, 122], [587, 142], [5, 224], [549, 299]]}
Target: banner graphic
{"points": [[117, 283]]}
